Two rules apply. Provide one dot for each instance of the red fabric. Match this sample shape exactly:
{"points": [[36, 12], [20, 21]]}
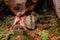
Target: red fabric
{"points": [[19, 18]]}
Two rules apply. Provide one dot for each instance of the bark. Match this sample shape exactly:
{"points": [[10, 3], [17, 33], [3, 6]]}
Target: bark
{"points": [[57, 7]]}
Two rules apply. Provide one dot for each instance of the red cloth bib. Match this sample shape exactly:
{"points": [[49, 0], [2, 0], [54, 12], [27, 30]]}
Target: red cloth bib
{"points": [[19, 18]]}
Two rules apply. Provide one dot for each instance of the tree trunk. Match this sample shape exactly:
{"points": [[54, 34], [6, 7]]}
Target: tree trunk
{"points": [[57, 7]]}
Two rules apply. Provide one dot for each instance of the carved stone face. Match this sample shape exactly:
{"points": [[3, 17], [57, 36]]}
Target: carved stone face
{"points": [[18, 29]]}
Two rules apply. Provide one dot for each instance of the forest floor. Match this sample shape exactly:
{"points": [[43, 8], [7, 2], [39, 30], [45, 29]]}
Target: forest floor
{"points": [[48, 28]]}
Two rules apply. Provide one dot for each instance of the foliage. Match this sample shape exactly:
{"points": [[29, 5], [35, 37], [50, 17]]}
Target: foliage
{"points": [[40, 27], [53, 26], [8, 19], [5, 32], [43, 34], [26, 36]]}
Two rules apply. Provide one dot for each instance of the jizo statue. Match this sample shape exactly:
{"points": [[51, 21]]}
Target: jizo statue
{"points": [[26, 21]]}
